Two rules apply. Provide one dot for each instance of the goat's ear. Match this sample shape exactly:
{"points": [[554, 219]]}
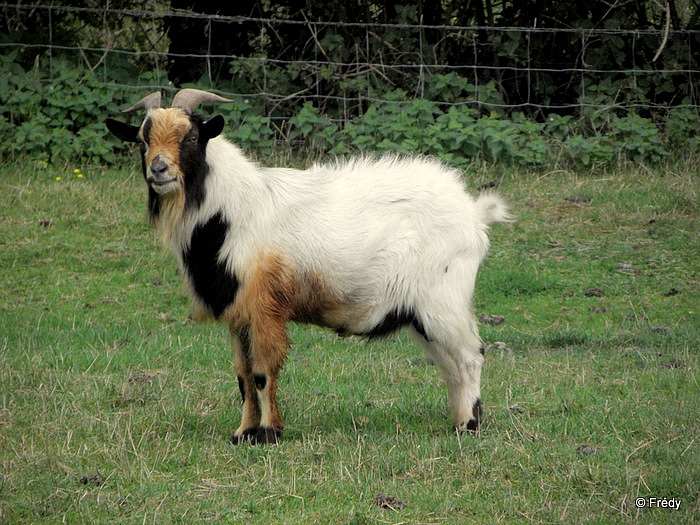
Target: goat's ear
{"points": [[212, 127], [122, 130]]}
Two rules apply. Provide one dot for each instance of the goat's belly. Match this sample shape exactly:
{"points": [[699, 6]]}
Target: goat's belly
{"points": [[345, 319], [363, 320]]}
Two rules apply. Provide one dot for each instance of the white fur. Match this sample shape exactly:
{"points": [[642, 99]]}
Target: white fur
{"points": [[382, 231], [393, 233]]}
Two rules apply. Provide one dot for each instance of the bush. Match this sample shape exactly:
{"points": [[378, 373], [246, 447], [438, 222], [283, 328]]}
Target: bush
{"points": [[58, 120], [63, 120]]}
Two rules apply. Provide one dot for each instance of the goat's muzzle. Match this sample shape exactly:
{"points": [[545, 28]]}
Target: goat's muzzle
{"points": [[159, 176]]}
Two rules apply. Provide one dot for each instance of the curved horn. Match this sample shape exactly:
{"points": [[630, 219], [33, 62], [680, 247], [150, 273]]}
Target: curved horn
{"points": [[188, 99], [147, 103]]}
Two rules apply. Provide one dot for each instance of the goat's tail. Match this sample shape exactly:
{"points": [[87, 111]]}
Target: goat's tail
{"points": [[492, 208]]}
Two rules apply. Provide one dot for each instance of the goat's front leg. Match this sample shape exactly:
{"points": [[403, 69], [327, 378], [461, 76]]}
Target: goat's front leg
{"points": [[260, 351], [263, 307]]}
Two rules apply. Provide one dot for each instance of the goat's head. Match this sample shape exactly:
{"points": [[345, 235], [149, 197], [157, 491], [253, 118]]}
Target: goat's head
{"points": [[172, 140]]}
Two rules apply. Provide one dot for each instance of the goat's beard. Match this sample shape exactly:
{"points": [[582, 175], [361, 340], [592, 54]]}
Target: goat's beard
{"points": [[167, 188]]}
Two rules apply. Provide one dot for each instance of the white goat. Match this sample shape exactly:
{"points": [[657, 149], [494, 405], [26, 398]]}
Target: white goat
{"points": [[364, 247]]}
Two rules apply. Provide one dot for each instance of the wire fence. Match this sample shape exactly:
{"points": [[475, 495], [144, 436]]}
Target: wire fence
{"points": [[343, 67]]}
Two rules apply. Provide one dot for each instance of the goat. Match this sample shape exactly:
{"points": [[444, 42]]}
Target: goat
{"points": [[365, 247]]}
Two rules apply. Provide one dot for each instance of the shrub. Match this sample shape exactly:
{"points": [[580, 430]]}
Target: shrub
{"points": [[62, 120], [58, 120]]}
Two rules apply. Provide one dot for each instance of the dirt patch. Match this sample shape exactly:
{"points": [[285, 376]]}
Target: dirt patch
{"points": [[388, 502], [578, 198], [586, 450], [673, 364], [491, 319], [139, 376], [96, 480]]}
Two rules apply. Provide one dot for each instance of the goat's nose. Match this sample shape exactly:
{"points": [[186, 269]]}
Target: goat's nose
{"points": [[158, 166], [158, 172]]}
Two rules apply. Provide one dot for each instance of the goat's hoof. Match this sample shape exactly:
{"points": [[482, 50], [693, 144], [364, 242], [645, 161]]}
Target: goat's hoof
{"points": [[258, 436], [468, 426], [266, 435], [475, 422]]}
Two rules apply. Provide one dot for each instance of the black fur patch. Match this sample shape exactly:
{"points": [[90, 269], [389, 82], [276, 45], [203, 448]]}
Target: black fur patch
{"points": [[478, 413], [213, 284], [153, 204], [395, 320], [193, 163], [241, 387], [153, 199], [420, 328], [260, 381], [146, 130]]}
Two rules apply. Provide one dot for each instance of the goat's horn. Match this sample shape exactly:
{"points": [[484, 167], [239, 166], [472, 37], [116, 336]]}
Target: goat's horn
{"points": [[147, 103], [188, 99]]}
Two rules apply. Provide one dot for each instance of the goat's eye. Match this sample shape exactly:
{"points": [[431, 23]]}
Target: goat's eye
{"points": [[194, 138]]}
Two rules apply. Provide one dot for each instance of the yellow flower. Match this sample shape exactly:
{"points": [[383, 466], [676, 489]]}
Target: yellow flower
{"points": [[58, 178], [80, 175], [76, 171]]}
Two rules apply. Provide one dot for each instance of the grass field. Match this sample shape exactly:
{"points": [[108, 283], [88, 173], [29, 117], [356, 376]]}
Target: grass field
{"points": [[115, 407]]}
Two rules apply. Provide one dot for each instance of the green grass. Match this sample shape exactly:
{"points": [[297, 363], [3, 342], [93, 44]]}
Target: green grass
{"points": [[114, 407]]}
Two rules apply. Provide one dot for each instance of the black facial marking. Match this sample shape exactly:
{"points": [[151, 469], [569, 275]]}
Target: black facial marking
{"points": [[395, 320], [193, 163], [215, 286], [146, 130], [260, 381]]}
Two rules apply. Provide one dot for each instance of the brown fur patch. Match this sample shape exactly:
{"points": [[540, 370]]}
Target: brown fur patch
{"points": [[270, 418], [314, 299], [264, 304], [318, 303], [168, 127]]}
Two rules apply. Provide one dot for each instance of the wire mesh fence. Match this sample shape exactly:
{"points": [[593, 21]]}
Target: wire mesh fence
{"points": [[341, 68]]}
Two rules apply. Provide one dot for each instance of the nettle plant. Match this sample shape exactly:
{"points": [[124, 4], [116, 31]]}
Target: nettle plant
{"points": [[58, 121]]}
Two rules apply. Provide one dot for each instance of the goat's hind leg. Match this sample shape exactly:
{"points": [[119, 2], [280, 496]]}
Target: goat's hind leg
{"points": [[250, 421], [457, 351], [268, 351]]}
